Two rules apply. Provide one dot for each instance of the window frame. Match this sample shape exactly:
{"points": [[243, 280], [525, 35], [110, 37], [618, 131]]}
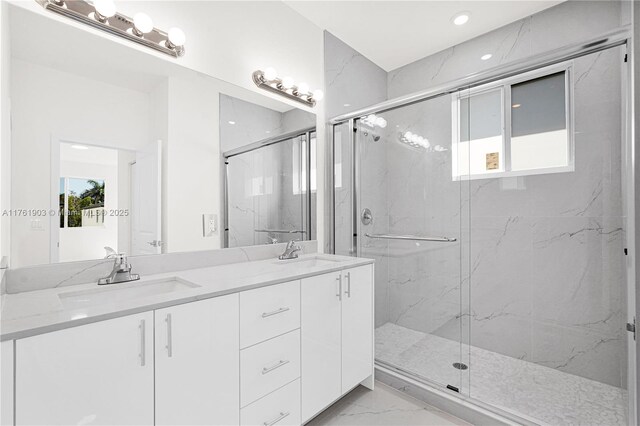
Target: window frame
{"points": [[505, 86]]}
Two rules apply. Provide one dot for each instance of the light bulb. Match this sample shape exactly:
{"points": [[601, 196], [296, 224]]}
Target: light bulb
{"points": [[270, 74], [142, 23], [287, 82], [176, 36], [105, 8], [486, 56], [426, 143], [408, 135], [318, 94], [381, 122], [303, 88], [461, 18]]}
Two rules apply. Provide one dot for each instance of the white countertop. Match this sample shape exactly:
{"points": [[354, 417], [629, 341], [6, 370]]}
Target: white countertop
{"points": [[36, 312]]}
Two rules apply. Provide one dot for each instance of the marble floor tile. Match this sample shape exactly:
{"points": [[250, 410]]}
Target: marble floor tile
{"points": [[383, 406], [544, 395]]}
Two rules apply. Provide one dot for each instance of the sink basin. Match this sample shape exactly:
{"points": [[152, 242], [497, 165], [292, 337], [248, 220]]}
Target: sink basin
{"points": [[310, 261], [114, 293]]}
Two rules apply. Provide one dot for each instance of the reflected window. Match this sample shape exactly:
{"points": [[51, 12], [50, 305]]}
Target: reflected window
{"points": [[82, 202], [530, 136]]}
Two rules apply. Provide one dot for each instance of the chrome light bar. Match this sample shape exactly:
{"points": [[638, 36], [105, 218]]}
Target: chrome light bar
{"points": [[117, 24], [286, 89]]}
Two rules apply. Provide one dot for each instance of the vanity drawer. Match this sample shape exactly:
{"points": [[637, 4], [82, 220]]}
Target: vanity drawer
{"points": [[279, 408], [269, 312], [268, 366]]}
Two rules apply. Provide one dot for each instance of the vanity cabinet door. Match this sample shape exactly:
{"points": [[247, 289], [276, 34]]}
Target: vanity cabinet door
{"points": [[321, 343], [357, 326], [98, 374], [197, 363]]}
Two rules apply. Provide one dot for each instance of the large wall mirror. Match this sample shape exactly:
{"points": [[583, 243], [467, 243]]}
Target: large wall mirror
{"points": [[114, 150]]}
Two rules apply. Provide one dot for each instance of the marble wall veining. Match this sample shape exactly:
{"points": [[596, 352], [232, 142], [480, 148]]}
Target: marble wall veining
{"points": [[351, 82], [538, 270], [569, 22], [541, 257]]}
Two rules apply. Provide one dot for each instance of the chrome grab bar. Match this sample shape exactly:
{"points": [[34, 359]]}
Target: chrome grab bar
{"points": [[281, 231], [411, 238]]}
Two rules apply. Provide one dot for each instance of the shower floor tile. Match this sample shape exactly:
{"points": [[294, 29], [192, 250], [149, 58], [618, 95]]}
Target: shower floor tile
{"points": [[541, 394]]}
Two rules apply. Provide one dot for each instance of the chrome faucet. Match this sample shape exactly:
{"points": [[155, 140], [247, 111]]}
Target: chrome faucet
{"points": [[291, 252], [121, 272]]}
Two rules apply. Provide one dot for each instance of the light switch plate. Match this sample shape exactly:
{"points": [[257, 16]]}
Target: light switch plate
{"points": [[209, 224]]}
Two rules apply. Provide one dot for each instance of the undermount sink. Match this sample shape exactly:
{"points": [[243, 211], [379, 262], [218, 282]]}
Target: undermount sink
{"points": [[122, 292], [310, 261]]}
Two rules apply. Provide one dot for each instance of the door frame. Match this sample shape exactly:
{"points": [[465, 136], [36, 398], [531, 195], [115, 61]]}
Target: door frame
{"points": [[54, 188]]}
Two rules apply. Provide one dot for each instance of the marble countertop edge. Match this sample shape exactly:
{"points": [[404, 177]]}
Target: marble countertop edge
{"points": [[49, 315]]}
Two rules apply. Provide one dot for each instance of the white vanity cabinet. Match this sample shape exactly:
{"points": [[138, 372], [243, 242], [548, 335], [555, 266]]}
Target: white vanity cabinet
{"points": [[337, 335], [197, 366], [99, 373], [275, 355]]}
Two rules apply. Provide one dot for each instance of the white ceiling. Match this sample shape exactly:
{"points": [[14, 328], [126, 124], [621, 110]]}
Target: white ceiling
{"points": [[396, 33]]}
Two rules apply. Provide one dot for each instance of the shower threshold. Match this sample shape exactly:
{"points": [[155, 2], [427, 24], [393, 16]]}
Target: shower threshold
{"points": [[524, 389]]}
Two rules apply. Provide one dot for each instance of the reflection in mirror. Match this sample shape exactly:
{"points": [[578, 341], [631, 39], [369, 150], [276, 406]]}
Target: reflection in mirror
{"points": [[270, 173], [114, 150]]}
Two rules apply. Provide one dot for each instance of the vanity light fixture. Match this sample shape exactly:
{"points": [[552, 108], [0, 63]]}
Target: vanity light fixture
{"points": [[286, 86], [102, 15]]}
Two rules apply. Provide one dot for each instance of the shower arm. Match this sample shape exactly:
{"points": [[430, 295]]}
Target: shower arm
{"points": [[412, 238]]}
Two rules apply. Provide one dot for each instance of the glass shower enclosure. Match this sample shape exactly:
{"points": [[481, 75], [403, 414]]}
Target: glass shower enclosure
{"points": [[270, 190], [496, 216]]}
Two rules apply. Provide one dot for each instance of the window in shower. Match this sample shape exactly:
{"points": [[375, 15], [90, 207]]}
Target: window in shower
{"points": [[514, 127]]}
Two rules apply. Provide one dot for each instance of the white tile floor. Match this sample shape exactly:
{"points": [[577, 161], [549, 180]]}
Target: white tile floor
{"points": [[543, 394], [383, 406]]}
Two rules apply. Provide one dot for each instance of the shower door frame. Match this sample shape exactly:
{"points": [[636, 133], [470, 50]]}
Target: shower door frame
{"points": [[306, 133], [621, 37]]}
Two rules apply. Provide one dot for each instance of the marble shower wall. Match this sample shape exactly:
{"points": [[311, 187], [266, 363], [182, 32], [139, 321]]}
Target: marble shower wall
{"points": [[544, 253], [351, 82]]}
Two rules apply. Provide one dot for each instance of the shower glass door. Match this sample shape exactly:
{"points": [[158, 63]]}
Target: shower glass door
{"points": [[413, 222], [270, 193]]}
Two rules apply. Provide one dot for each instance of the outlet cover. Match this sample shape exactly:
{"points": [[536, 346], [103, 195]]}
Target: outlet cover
{"points": [[209, 224]]}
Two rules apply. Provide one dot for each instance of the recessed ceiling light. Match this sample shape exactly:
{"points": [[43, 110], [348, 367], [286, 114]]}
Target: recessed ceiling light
{"points": [[79, 147], [268, 131], [516, 106], [347, 105], [461, 18], [486, 57], [231, 122]]}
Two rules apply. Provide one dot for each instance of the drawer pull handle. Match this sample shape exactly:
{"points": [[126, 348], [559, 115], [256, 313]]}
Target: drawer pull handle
{"points": [[266, 370], [169, 337], [277, 419], [143, 343], [276, 312]]}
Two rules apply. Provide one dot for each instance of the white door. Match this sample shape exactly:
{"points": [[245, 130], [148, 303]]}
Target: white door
{"points": [[357, 326], [146, 200], [197, 363], [98, 374], [321, 353]]}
